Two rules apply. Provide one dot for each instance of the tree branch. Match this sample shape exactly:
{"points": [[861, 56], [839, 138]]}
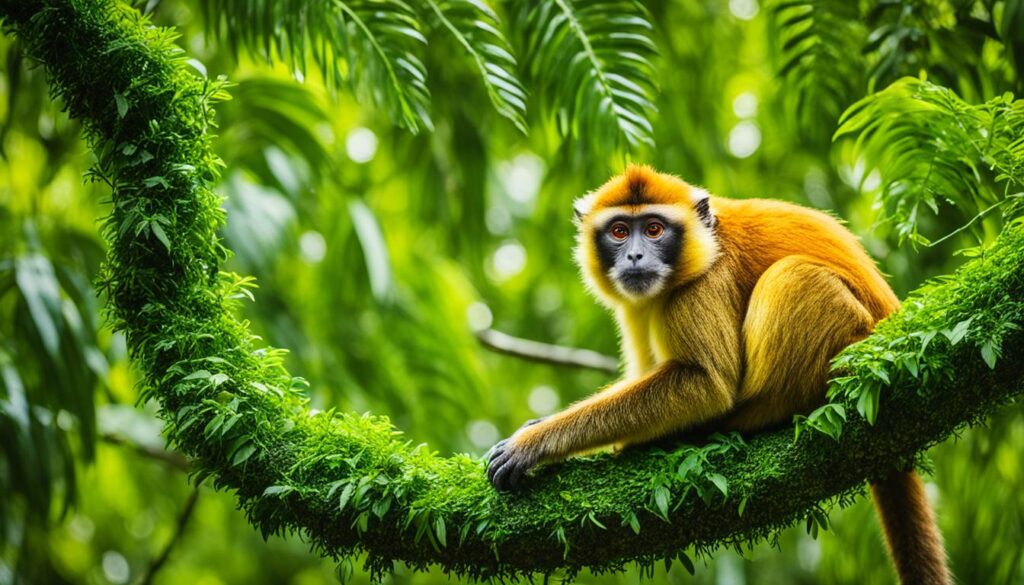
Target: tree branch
{"points": [[170, 458], [183, 518], [547, 353], [347, 482]]}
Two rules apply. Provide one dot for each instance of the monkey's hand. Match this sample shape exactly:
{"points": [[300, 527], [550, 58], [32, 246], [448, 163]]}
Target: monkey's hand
{"points": [[510, 459]]}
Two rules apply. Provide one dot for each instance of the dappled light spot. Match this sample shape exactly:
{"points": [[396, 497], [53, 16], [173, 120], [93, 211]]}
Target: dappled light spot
{"points": [[744, 139], [361, 145]]}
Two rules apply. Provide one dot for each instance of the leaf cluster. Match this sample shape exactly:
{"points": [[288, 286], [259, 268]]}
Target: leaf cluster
{"points": [[828, 52], [932, 147], [592, 62]]}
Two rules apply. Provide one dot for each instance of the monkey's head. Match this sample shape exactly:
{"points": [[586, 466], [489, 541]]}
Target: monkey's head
{"points": [[641, 233]]}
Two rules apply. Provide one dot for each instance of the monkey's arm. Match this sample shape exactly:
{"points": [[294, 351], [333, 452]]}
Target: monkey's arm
{"points": [[673, 396]]}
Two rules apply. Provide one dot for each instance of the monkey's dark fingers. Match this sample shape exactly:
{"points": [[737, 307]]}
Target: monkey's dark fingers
{"points": [[519, 468], [511, 470], [502, 473], [496, 462], [495, 450]]}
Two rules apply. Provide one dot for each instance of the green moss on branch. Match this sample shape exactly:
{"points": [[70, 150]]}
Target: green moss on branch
{"points": [[348, 482]]}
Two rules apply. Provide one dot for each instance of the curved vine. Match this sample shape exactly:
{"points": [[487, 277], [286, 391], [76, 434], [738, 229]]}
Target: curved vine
{"points": [[349, 483]]}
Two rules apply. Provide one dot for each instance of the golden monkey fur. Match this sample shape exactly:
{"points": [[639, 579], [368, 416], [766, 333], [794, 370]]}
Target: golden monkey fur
{"points": [[762, 296]]}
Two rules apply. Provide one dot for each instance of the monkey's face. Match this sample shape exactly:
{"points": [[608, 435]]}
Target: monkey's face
{"points": [[641, 234], [638, 252]]}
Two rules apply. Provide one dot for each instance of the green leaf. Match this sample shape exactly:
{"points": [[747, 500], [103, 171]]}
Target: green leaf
{"points": [[633, 522], [157, 180], [867, 402], [879, 372], [243, 454], [440, 530], [278, 490], [957, 333], [38, 284], [687, 563], [375, 249], [990, 354], [692, 462], [160, 234], [363, 522], [346, 495], [198, 375], [720, 482], [122, 105], [661, 500]]}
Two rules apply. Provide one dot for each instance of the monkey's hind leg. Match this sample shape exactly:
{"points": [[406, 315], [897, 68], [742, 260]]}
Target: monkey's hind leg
{"points": [[801, 314]]}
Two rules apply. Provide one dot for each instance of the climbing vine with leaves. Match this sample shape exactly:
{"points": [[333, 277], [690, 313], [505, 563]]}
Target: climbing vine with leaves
{"points": [[346, 481]]}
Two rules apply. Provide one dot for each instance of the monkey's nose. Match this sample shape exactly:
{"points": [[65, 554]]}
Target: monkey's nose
{"points": [[635, 257]]}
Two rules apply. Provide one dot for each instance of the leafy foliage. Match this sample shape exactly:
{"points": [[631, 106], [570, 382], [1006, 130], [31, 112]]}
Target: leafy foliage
{"points": [[345, 480], [408, 241], [825, 47], [266, 110], [592, 61], [371, 45], [375, 46], [50, 362], [948, 40], [817, 43], [932, 147], [476, 28]]}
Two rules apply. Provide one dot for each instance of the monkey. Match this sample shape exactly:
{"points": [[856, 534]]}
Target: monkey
{"points": [[729, 313]]}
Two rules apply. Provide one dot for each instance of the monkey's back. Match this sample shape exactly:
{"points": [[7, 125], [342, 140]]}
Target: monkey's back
{"points": [[756, 233]]}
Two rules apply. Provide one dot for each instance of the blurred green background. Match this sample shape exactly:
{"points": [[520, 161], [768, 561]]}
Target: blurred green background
{"points": [[381, 252]]}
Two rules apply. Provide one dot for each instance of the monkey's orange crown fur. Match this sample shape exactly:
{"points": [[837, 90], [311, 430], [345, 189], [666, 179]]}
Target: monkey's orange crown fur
{"points": [[642, 185], [640, 190]]}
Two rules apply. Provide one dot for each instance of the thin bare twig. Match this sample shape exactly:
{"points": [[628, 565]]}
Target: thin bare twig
{"points": [[546, 353], [172, 458], [186, 514]]}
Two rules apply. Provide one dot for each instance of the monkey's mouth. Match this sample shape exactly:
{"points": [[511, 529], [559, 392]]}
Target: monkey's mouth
{"points": [[638, 280]]}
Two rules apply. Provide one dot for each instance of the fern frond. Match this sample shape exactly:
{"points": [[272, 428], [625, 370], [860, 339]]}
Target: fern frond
{"points": [[818, 54], [930, 146], [371, 45], [477, 29], [592, 59]]}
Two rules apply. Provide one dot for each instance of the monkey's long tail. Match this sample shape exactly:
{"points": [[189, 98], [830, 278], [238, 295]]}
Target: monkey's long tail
{"points": [[911, 534]]}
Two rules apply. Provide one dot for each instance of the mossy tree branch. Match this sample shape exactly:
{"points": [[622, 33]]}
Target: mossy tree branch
{"points": [[347, 482]]}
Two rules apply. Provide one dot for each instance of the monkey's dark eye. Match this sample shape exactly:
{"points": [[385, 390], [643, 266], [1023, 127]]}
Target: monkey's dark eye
{"points": [[619, 231], [654, 230]]}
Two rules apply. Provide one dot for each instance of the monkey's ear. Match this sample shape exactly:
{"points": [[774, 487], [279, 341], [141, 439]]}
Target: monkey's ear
{"points": [[702, 204], [582, 206]]}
